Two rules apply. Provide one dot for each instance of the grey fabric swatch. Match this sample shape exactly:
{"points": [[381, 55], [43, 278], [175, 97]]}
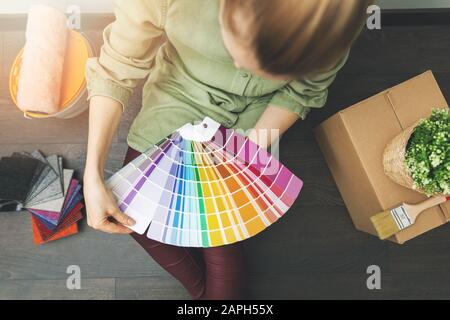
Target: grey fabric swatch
{"points": [[42, 171], [57, 204], [43, 180], [37, 174], [48, 177], [53, 189], [61, 169], [56, 163]]}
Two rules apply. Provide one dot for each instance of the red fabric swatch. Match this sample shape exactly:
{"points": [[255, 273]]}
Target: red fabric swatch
{"points": [[73, 229], [68, 227], [72, 217]]}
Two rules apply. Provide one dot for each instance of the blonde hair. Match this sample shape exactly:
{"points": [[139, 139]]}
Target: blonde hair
{"points": [[296, 38]]}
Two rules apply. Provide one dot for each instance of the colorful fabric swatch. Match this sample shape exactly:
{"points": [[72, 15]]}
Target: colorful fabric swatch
{"points": [[204, 186], [41, 185], [38, 240], [46, 234], [53, 218]]}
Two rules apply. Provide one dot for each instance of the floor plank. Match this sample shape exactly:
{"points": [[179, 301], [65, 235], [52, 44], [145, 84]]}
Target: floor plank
{"points": [[401, 49], [91, 289], [294, 286], [149, 288], [314, 239], [99, 255]]}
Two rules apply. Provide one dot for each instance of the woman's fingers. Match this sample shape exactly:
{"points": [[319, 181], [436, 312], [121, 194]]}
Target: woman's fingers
{"points": [[111, 227], [101, 206], [122, 218]]}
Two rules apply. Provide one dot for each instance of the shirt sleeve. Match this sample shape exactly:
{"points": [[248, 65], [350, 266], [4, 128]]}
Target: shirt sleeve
{"points": [[130, 46], [301, 96]]}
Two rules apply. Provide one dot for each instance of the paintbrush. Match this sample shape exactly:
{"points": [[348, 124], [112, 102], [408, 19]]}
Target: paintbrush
{"points": [[390, 222]]}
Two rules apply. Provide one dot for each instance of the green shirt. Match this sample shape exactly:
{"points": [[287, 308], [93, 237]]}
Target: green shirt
{"points": [[177, 44]]}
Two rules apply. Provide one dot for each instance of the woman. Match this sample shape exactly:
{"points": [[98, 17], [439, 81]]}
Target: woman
{"points": [[260, 64]]}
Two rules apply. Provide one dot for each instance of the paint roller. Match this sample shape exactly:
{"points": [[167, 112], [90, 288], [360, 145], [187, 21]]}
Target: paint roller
{"points": [[41, 72]]}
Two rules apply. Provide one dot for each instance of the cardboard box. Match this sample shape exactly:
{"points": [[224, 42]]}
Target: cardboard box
{"points": [[353, 142]]}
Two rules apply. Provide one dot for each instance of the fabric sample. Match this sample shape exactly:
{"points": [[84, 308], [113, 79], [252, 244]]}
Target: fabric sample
{"points": [[73, 229], [54, 162], [73, 217], [16, 175], [38, 172], [52, 183], [45, 177], [52, 219], [57, 204]]}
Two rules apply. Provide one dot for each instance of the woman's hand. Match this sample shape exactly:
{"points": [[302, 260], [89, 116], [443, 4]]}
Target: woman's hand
{"points": [[102, 211]]}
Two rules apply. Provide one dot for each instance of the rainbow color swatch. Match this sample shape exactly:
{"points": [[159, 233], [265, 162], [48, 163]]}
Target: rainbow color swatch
{"points": [[204, 186]]}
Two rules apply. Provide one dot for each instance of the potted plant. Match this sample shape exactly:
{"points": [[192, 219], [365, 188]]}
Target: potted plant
{"points": [[419, 158]]}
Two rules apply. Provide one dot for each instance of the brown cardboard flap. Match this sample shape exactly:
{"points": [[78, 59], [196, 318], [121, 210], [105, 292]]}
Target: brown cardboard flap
{"points": [[414, 99]]}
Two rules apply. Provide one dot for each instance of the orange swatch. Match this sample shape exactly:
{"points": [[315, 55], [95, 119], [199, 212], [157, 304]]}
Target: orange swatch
{"points": [[73, 229]]}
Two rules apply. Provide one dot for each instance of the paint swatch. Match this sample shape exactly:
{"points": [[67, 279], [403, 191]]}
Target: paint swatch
{"points": [[204, 186]]}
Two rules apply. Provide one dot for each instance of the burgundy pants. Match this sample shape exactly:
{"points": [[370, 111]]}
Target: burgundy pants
{"points": [[212, 273]]}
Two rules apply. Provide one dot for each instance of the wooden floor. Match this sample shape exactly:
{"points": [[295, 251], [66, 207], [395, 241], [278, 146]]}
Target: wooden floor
{"points": [[313, 253]]}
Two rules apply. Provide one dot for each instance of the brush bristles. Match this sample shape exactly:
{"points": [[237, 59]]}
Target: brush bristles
{"points": [[385, 225]]}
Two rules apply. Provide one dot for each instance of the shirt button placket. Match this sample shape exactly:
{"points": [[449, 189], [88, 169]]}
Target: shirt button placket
{"points": [[246, 77], [240, 82]]}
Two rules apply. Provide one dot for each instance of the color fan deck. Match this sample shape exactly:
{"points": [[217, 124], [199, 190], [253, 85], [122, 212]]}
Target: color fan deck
{"points": [[204, 186]]}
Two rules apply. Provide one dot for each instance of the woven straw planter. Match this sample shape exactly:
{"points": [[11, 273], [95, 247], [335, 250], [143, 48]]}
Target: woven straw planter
{"points": [[394, 159]]}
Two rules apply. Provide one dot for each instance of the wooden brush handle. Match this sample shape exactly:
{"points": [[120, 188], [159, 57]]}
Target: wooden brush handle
{"points": [[431, 202]]}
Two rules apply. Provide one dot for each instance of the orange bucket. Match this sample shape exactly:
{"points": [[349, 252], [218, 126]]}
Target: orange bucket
{"points": [[73, 86]]}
